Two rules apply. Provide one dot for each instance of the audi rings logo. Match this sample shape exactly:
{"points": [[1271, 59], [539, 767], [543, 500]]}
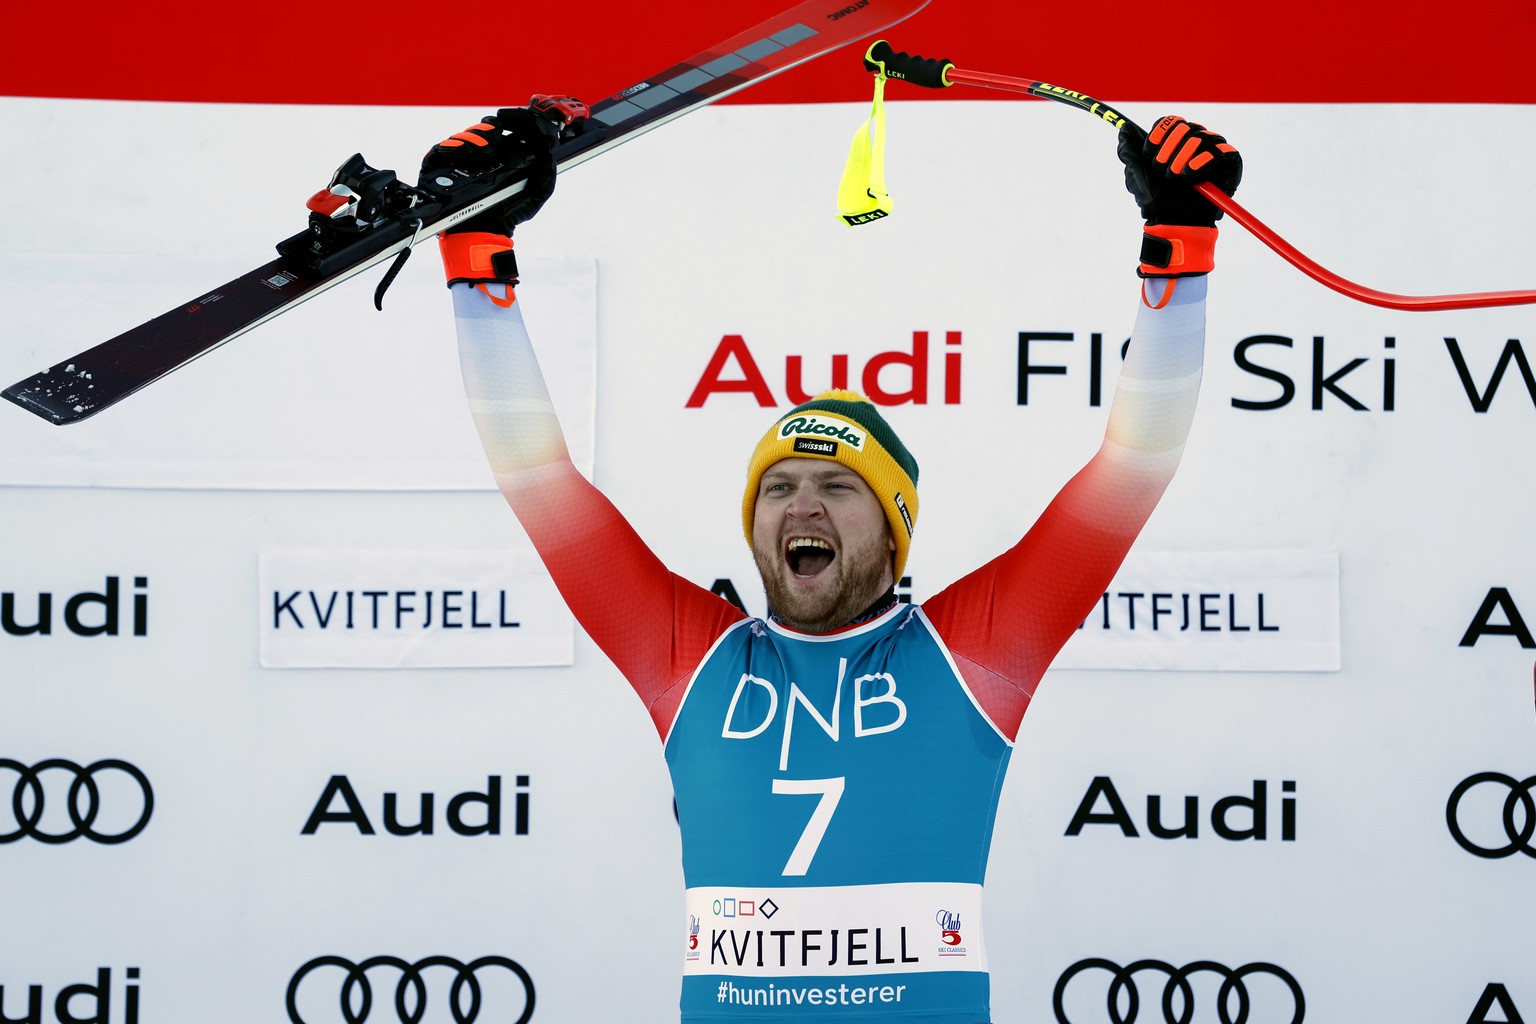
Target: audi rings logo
{"points": [[1231, 1001], [493, 983], [42, 809], [1518, 816]]}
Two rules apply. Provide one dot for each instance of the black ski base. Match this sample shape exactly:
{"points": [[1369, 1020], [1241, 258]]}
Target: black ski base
{"points": [[101, 376]]}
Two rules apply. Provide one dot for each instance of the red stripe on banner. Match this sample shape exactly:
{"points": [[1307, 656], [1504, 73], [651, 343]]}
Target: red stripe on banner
{"points": [[396, 53]]}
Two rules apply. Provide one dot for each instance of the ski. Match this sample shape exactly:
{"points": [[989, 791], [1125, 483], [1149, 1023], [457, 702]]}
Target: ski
{"points": [[367, 215]]}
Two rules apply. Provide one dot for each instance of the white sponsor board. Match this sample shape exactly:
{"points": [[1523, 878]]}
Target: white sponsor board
{"points": [[1214, 611], [411, 609]]}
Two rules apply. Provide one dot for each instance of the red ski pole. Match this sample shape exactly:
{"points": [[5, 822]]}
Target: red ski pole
{"points": [[937, 74]]}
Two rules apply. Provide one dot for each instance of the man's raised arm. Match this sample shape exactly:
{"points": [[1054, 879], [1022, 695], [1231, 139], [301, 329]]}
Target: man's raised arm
{"points": [[655, 626], [1006, 621]]}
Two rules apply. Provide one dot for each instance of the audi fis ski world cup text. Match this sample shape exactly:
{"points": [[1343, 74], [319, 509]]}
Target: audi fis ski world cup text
{"points": [[1319, 378]]}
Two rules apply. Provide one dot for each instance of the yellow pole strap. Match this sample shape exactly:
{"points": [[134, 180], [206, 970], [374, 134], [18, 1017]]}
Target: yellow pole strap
{"points": [[861, 195]]}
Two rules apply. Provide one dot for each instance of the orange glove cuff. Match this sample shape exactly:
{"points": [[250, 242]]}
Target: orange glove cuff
{"points": [[1176, 250], [477, 257]]}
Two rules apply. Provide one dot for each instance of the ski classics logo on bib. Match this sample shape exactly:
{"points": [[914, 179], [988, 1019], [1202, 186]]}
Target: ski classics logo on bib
{"points": [[806, 429]]}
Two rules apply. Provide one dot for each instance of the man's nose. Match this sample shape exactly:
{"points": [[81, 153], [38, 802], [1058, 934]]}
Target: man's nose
{"points": [[805, 504]]}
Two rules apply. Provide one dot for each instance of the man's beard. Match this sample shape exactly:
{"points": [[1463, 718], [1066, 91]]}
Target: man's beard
{"points": [[854, 581]]}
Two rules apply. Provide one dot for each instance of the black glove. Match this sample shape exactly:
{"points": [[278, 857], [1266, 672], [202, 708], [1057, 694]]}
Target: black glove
{"points": [[515, 138], [1163, 166]]}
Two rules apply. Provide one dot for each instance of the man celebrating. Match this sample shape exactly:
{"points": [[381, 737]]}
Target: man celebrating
{"points": [[831, 873]]}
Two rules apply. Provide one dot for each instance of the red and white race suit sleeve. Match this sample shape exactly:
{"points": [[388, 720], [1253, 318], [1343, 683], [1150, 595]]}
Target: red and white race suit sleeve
{"points": [[1005, 622], [655, 626]]}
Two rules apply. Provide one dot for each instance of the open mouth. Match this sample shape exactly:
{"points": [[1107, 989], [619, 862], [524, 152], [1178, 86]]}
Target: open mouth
{"points": [[808, 556]]}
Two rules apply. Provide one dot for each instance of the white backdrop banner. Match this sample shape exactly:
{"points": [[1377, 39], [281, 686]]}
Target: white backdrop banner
{"points": [[1356, 492]]}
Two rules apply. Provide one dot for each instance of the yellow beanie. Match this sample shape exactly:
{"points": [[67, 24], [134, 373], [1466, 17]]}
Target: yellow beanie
{"points": [[845, 427]]}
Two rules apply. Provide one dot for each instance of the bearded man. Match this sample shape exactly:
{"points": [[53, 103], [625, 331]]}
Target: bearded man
{"points": [[801, 745]]}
